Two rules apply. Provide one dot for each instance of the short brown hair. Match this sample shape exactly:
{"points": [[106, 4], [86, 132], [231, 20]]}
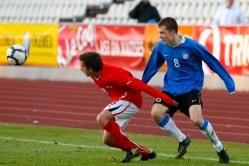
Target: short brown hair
{"points": [[92, 60], [170, 23]]}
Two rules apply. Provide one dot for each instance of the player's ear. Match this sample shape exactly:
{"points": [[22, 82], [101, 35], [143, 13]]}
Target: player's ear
{"points": [[172, 32]]}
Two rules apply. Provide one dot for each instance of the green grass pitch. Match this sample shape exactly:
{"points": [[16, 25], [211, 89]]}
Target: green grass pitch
{"points": [[29, 145]]}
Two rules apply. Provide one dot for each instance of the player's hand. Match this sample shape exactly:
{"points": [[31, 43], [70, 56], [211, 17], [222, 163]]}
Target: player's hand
{"points": [[174, 103]]}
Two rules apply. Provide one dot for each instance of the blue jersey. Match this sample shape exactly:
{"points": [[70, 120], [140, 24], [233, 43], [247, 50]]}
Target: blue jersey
{"points": [[184, 67]]}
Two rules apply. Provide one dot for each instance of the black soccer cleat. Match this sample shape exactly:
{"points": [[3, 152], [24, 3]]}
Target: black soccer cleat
{"points": [[223, 157], [148, 156], [182, 148], [136, 153], [130, 154]]}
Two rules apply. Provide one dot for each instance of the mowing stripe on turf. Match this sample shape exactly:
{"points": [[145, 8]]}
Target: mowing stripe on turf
{"points": [[100, 147]]}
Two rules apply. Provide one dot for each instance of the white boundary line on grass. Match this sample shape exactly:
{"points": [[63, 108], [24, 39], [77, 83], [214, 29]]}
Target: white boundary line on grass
{"points": [[99, 147]]}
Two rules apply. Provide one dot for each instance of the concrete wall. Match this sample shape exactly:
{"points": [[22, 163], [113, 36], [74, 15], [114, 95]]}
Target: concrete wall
{"points": [[212, 82]]}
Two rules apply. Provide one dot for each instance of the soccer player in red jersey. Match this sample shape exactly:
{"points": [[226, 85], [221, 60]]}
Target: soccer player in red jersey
{"points": [[125, 92]]}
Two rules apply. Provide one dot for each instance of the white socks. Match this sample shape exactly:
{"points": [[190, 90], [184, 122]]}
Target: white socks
{"points": [[207, 129], [173, 131], [218, 147], [168, 125]]}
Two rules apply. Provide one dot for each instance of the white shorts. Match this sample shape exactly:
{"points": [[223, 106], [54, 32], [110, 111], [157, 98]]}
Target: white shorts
{"points": [[123, 111]]}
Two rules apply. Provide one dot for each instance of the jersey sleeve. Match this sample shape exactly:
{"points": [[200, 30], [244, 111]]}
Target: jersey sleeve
{"points": [[134, 83], [216, 67], [153, 65]]}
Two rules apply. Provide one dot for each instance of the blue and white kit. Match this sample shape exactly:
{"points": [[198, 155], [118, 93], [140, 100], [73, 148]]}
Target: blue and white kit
{"points": [[184, 67]]}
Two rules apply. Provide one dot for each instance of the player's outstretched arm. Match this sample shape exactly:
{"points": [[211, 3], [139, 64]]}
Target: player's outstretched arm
{"points": [[135, 83]]}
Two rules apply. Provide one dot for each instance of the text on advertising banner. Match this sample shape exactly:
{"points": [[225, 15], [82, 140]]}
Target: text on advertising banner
{"points": [[119, 45], [229, 44], [39, 39]]}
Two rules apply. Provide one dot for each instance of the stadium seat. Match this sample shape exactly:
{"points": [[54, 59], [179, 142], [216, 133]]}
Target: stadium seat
{"points": [[55, 11]]}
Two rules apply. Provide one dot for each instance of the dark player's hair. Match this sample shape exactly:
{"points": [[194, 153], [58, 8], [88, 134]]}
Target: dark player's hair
{"points": [[92, 60], [169, 22]]}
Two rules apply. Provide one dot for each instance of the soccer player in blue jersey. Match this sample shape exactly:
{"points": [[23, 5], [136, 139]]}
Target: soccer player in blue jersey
{"points": [[183, 82]]}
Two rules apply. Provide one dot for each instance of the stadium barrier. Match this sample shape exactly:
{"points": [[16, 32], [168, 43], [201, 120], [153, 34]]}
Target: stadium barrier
{"points": [[54, 49]]}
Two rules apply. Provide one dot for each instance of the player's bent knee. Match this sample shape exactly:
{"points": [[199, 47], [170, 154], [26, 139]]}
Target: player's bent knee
{"points": [[157, 115], [197, 122], [98, 118], [104, 117], [101, 120], [154, 112]]}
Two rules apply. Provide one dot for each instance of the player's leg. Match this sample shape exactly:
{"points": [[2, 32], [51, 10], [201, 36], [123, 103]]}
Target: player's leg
{"points": [[158, 113], [106, 120], [122, 112], [146, 154], [206, 128], [123, 119], [113, 136], [110, 141]]}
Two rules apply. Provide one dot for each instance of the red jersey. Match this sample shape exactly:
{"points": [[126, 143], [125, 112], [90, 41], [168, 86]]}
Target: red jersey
{"points": [[120, 84]]}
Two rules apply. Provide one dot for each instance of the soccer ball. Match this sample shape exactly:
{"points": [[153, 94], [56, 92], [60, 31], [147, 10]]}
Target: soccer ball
{"points": [[17, 54]]}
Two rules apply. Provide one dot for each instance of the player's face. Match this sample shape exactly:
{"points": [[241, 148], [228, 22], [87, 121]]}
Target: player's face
{"points": [[165, 35], [84, 69]]}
